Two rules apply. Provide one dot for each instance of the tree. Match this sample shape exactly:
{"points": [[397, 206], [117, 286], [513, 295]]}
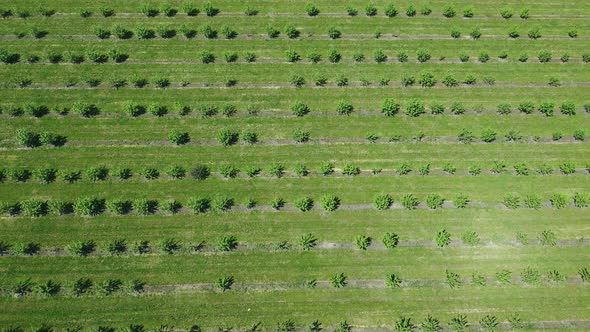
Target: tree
{"points": [[489, 323], [427, 79], [307, 241], [415, 108], [559, 200], [370, 10], [579, 135], [470, 238], [286, 326], [581, 200], [431, 324], [533, 201], [304, 204], [404, 324], [434, 201], [390, 10], [459, 323], [423, 55], [207, 57], [291, 31], [334, 33], [27, 138], [301, 136], [534, 33], [178, 137], [409, 201], [568, 108], [297, 81], [390, 240], [351, 170], [222, 203], [329, 202], [389, 107], [344, 107], [392, 281], [326, 168], [548, 238], [338, 280], [169, 246], [584, 274], [199, 204], [383, 201], [81, 248], [84, 109], [311, 9], [443, 238], [567, 168], [210, 10], [380, 56], [227, 137], [292, 56], [362, 242], [299, 109]]}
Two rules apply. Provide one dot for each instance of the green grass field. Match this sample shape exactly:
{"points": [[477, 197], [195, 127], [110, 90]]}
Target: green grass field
{"points": [[503, 267]]}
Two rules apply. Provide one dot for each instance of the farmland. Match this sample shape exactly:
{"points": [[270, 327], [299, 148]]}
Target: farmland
{"points": [[274, 165]]}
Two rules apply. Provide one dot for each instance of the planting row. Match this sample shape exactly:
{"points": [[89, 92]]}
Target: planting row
{"points": [[90, 206], [412, 107], [230, 243], [201, 172], [291, 56], [310, 9], [79, 287], [165, 31]]}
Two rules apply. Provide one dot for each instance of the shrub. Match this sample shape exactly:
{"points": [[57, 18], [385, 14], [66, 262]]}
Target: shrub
{"points": [[465, 136], [222, 204], [568, 108], [448, 11], [200, 172], [229, 171], [351, 170], [84, 109], [534, 33], [544, 56], [311, 9], [489, 323], [291, 31], [415, 108], [301, 136], [249, 137], [370, 10], [171, 206], [209, 10], [334, 56], [488, 135], [586, 57], [149, 173], [470, 238], [297, 81], [118, 206], [101, 33], [545, 169], [303, 204], [521, 169], [476, 34], [28, 138], [559, 200], [409, 201], [276, 170], [307, 241], [581, 200], [579, 135], [390, 10], [334, 33], [338, 280], [547, 108], [455, 33], [584, 274], [457, 108], [450, 81], [33, 208], [554, 81], [533, 201], [277, 203], [434, 201], [506, 12], [81, 248], [199, 204], [407, 80], [511, 201], [402, 56], [228, 32], [144, 206], [443, 238], [383, 201], [299, 108], [329, 202], [404, 324], [392, 281], [326, 168], [179, 137], [301, 170], [427, 79], [423, 55], [344, 107], [227, 137], [169, 246], [567, 168]]}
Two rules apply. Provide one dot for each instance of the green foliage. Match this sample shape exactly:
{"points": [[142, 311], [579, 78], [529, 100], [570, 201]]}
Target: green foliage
{"points": [[423, 55], [504, 276], [431, 324], [326, 168], [81, 248], [311, 9], [559, 200], [534, 33], [442, 238], [470, 238], [227, 243], [489, 323], [143, 206], [299, 108], [343, 326], [300, 136], [409, 201], [370, 10], [301, 170], [229, 171], [277, 203], [276, 170], [530, 275], [222, 203], [329, 202], [307, 241], [584, 274], [555, 276], [579, 135], [393, 281], [466, 136], [291, 31], [199, 204], [415, 108], [303, 204], [581, 199], [404, 324], [459, 323], [28, 138], [362, 242], [344, 107], [533, 201], [390, 240], [338, 280], [511, 201], [383, 201], [547, 238], [227, 137], [434, 201], [568, 108], [478, 279]]}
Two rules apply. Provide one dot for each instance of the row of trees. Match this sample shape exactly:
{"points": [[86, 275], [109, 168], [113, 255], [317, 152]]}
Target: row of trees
{"points": [[74, 57], [556, 200], [389, 106], [79, 287], [201, 172]]}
